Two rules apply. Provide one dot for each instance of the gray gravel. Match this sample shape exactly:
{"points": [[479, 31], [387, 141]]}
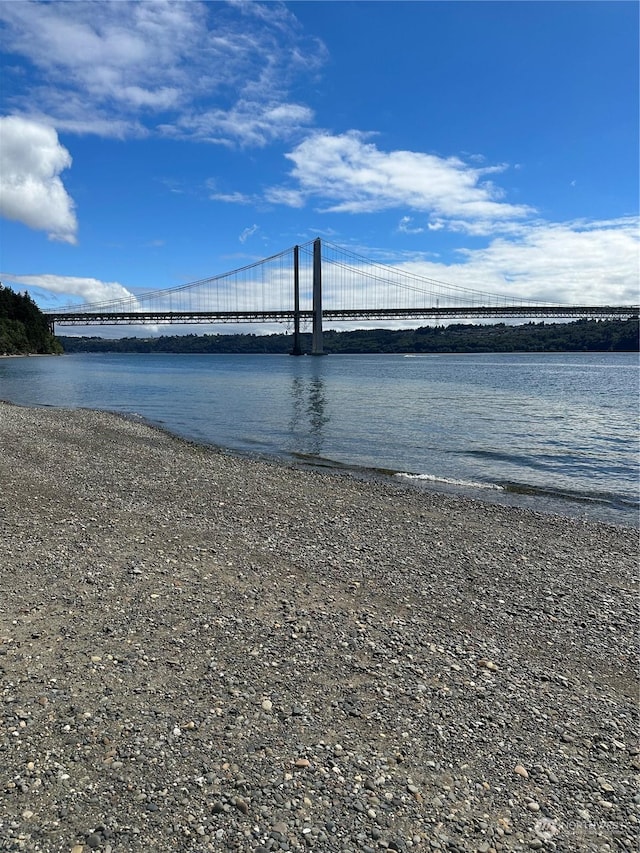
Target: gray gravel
{"points": [[203, 652]]}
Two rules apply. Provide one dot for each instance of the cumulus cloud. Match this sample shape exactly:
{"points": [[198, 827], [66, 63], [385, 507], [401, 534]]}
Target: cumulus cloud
{"points": [[31, 160], [347, 174], [89, 290], [579, 263], [217, 72]]}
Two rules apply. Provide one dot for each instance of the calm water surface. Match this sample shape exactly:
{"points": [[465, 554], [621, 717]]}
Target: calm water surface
{"points": [[556, 432]]}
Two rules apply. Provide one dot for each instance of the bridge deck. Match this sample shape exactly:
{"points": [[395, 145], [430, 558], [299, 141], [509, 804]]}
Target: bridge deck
{"points": [[107, 318]]}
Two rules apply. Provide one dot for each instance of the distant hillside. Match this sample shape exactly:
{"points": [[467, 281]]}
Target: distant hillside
{"points": [[580, 336], [23, 327]]}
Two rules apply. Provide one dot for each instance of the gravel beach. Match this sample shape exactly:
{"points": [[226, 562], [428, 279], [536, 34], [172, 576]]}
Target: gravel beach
{"points": [[205, 652]]}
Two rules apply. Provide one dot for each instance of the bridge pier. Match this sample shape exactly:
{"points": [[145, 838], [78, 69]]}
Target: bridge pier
{"points": [[297, 348], [317, 345]]}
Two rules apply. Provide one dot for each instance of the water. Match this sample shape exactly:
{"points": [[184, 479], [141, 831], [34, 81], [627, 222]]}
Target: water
{"points": [[556, 432]]}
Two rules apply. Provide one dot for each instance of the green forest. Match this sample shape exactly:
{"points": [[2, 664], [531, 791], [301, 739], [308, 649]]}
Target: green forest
{"points": [[579, 336], [24, 329]]}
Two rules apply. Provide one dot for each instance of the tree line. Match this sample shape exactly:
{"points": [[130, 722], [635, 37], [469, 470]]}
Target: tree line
{"points": [[24, 329], [578, 336]]}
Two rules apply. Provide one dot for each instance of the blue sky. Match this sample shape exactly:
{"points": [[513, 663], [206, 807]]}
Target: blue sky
{"points": [[491, 145]]}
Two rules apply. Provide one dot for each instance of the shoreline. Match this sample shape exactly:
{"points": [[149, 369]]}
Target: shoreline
{"points": [[591, 478], [509, 495], [207, 651]]}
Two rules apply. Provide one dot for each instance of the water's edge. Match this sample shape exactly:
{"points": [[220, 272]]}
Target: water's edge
{"points": [[512, 496], [554, 435]]}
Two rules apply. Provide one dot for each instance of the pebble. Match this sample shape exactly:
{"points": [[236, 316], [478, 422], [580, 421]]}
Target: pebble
{"points": [[241, 805], [393, 729]]}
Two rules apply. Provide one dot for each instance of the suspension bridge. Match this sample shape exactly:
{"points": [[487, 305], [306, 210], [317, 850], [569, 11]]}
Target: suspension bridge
{"points": [[318, 282]]}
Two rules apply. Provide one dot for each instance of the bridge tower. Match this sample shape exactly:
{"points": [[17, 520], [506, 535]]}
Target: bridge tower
{"points": [[316, 345], [297, 349]]}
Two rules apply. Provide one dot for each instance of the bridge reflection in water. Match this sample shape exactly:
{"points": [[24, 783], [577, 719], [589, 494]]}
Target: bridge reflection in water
{"points": [[318, 282], [309, 416]]}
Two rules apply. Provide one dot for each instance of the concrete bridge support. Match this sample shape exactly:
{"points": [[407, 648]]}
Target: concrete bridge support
{"points": [[297, 348], [316, 345]]}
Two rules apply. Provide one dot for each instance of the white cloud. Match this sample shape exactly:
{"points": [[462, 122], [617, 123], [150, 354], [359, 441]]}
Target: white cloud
{"points": [[31, 160], [248, 232], [100, 48], [97, 124], [579, 263], [87, 289], [249, 123], [288, 197], [405, 226], [347, 174], [160, 99], [217, 72], [232, 198]]}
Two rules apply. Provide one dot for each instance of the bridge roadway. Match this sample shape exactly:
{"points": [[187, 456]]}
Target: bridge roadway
{"points": [[107, 318]]}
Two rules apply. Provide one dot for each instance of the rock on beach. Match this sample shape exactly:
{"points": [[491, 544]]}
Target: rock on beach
{"points": [[206, 652]]}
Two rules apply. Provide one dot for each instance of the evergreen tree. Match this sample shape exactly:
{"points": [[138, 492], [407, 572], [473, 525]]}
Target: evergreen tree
{"points": [[24, 329]]}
